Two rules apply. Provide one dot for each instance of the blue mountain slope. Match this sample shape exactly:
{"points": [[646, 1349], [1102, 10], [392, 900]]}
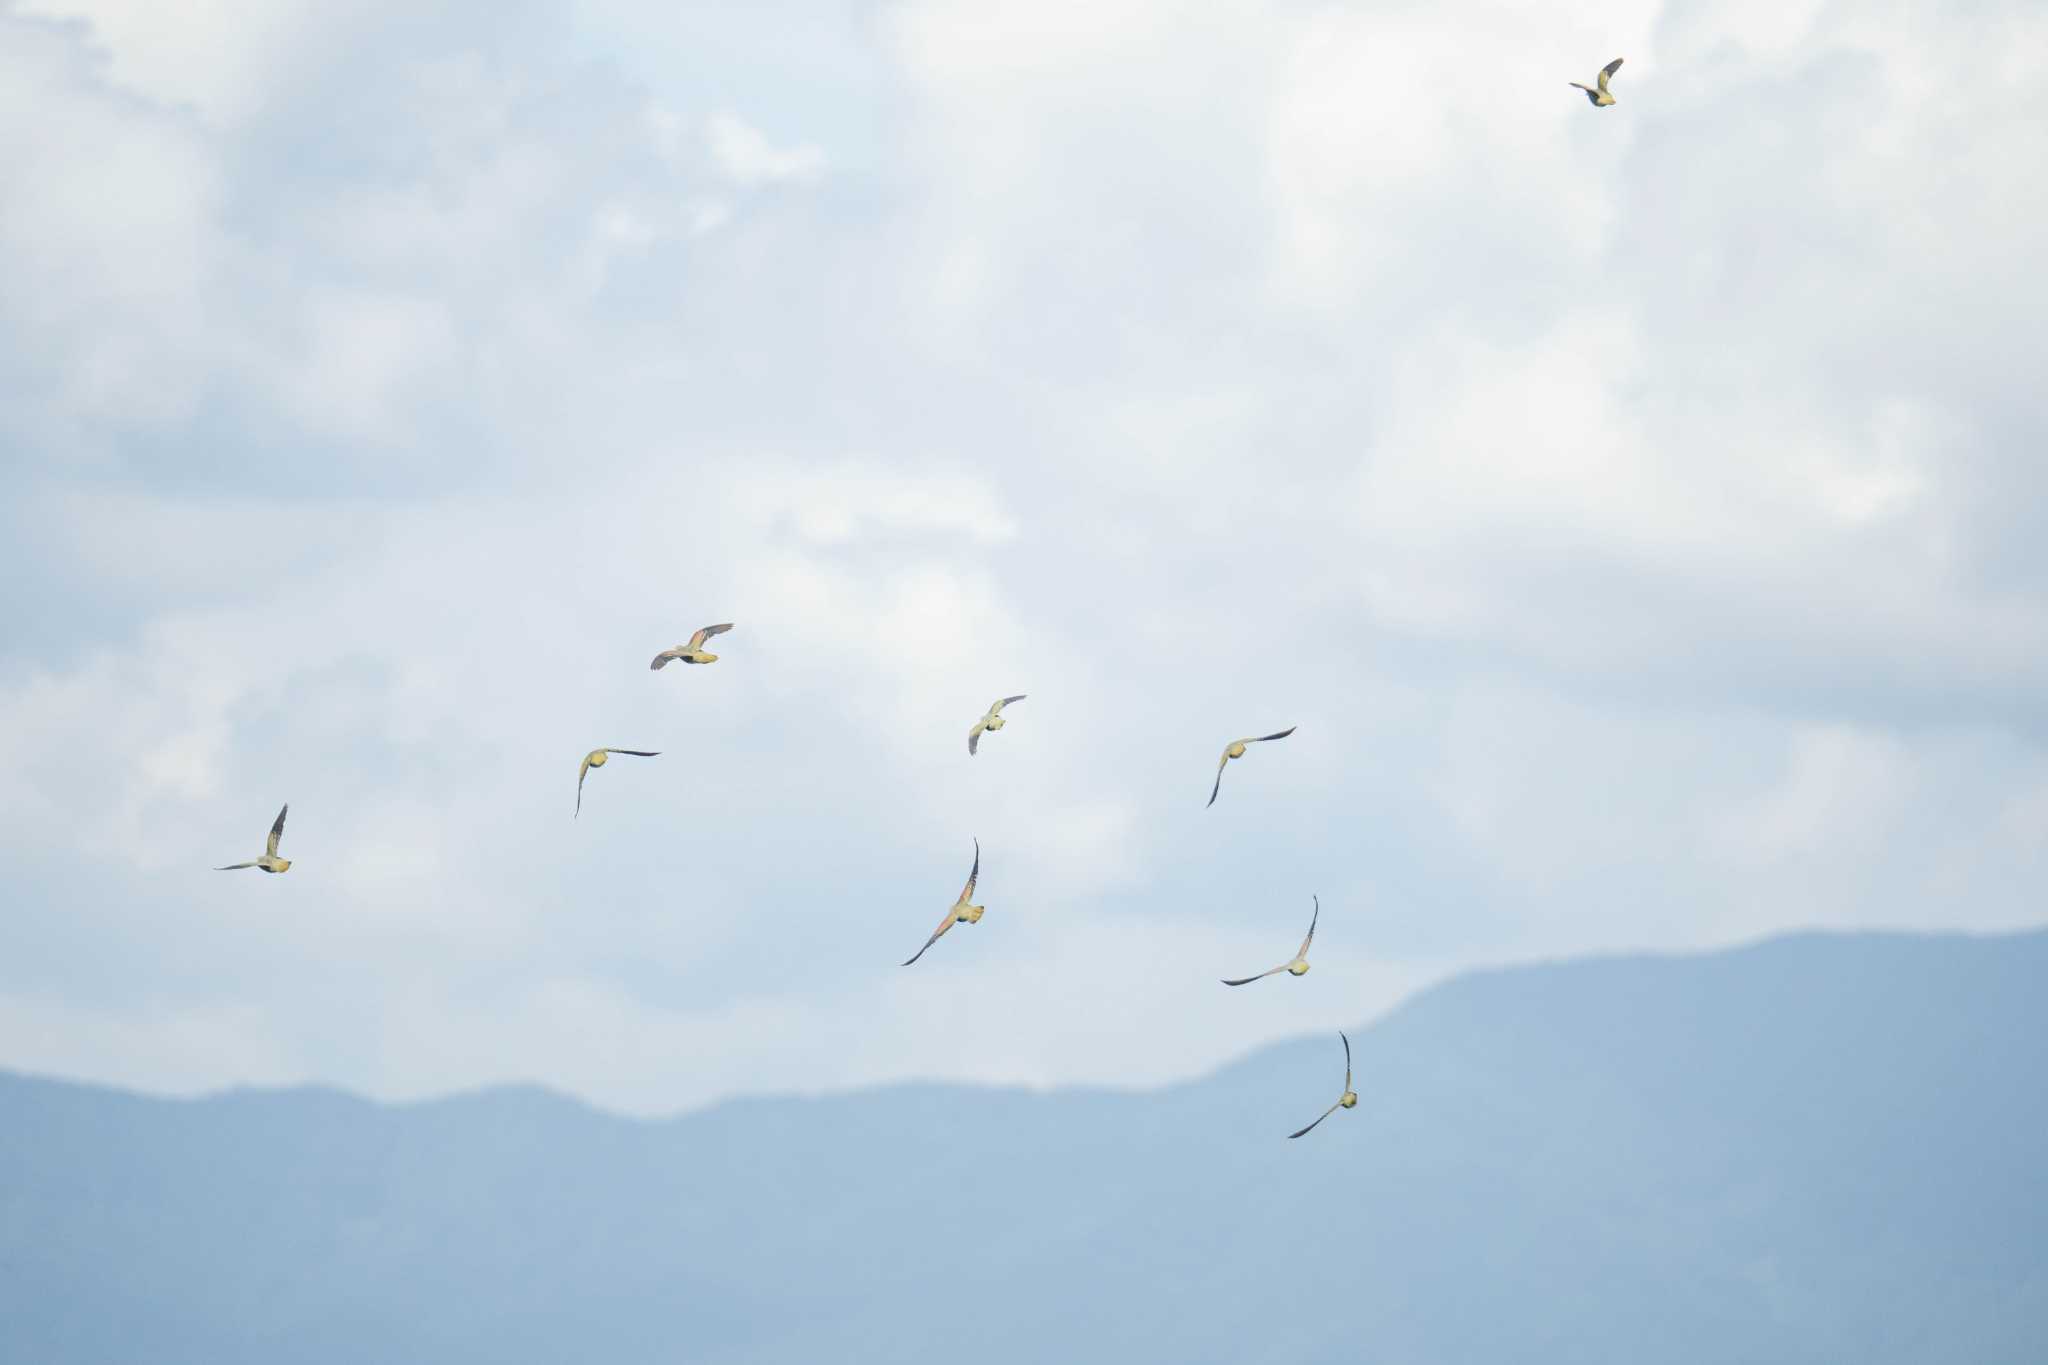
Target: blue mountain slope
{"points": [[1818, 1148]]}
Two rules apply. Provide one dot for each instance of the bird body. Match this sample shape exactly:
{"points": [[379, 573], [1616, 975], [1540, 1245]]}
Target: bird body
{"points": [[991, 721], [963, 911], [596, 759], [1235, 749], [1299, 966], [693, 651], [1597, 93], [1348, 1100], [269, 862]]}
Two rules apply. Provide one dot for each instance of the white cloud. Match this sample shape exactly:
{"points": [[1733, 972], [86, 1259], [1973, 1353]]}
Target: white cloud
{"points": [[746, 155], [1639, 573]]}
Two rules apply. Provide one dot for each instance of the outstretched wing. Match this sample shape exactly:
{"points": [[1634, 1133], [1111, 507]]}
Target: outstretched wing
{"points": [[1311, 927], [974, 735], [1611, 67], [967, 891], [277, 829], [1319, 1118], [637, 753], [580, 775], [1007, 700], [937, 934], [661, 660], [1282, 734], [1247, 980], [697, 640], [234, 867], [1221, 764], [1347, 1062]]}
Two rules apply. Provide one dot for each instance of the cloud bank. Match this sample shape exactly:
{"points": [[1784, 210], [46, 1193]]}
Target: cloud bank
{"points": [[1639, 511]]}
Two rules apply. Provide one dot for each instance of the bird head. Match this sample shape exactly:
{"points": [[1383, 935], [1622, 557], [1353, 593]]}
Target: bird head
{"points": [[995, 722], [284, 864], [972, 914], [704, 658]]}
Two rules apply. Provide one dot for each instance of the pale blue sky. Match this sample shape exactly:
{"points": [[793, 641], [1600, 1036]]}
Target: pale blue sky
{"points": [[1638, 510]]}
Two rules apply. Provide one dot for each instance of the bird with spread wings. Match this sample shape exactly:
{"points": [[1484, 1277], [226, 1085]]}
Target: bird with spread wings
{"points": [[269, 862], [1235, 749], [1299, 965], [1348, 1100], [692, 652], [596, 759], [992, 721], [962, 912], [1597, 94]]}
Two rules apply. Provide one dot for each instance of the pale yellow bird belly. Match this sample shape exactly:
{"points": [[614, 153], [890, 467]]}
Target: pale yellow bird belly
{"points": [[971, 914], [1350, 1100], [1297, 968], [1235, 751], [995, 723], [597, 760]]}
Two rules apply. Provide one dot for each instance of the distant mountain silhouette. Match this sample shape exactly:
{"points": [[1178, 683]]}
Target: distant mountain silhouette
{"points": [[1819, 1149]]}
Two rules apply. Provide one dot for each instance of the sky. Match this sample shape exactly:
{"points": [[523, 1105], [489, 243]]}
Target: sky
{"points": [[1639, 511]]}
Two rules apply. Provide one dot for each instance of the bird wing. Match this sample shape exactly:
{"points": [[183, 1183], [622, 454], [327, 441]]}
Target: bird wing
{"points": [[1311, 928], [582, 773], [974, 735], [1280, 734], [234, 867], [937, 934], [637, 753], [1247, 980], [1006, 701], [1221, 764], [1347, 1062], [967, 891], [1319, 1118], [661, 660], [277, 829], [697, 640], [1611, 67]]}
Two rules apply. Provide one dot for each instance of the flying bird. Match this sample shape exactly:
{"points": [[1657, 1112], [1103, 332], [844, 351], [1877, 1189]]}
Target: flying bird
{"points": [[269, 862], [962, 912], [1599, 97], [1349, 1100], [691, 653], [1299, 966], [992, 721], [1236, 750], [596, 759]]}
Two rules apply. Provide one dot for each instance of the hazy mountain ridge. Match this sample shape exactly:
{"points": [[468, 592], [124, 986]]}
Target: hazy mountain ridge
{"points": [[1820, 1147]]}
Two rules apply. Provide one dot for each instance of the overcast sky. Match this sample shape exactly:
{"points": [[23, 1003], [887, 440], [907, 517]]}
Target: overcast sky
{"points": [[1639, 511]]}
